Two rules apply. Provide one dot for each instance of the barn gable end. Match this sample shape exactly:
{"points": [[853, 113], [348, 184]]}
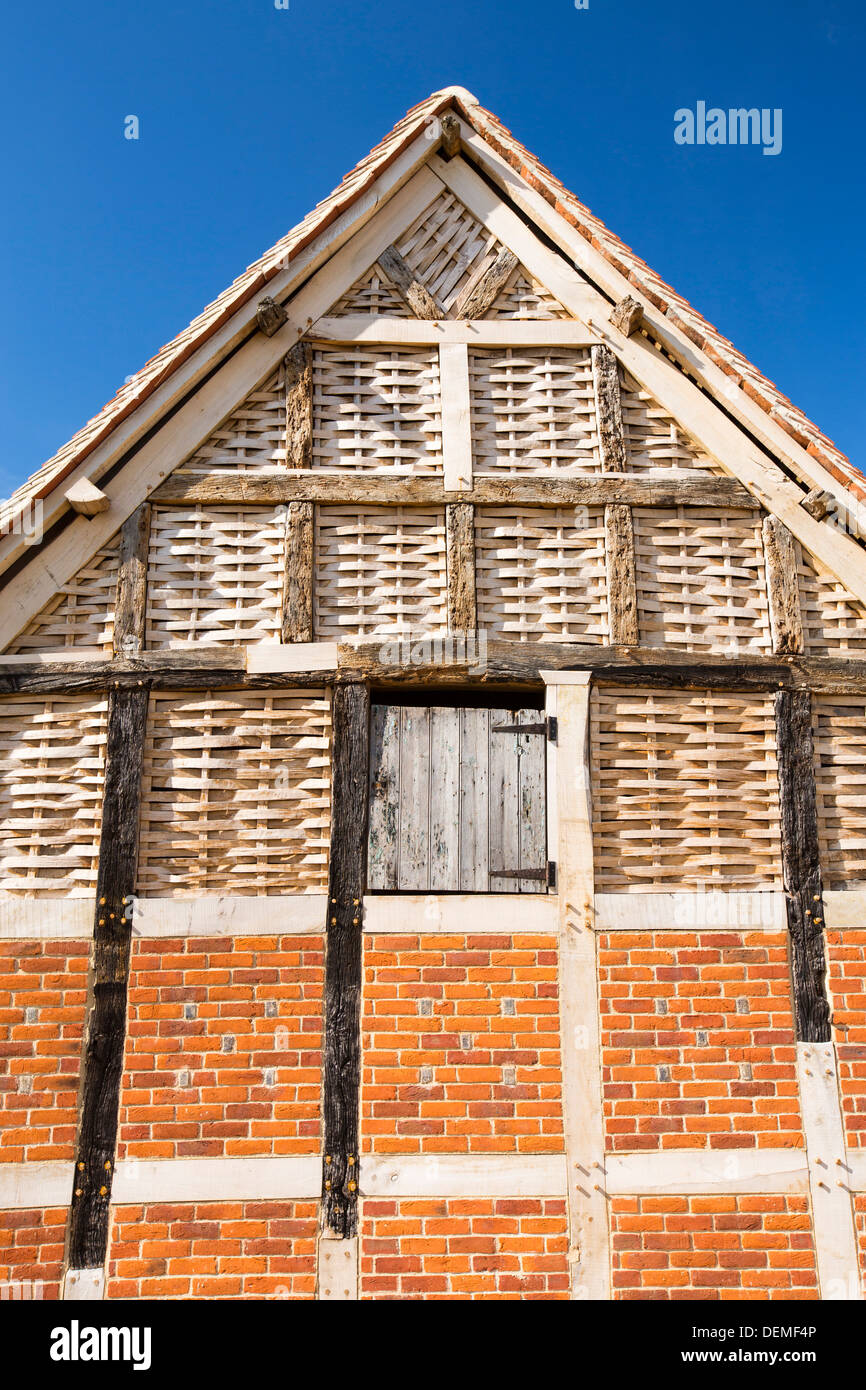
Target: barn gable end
{"points": [[459, 696]]}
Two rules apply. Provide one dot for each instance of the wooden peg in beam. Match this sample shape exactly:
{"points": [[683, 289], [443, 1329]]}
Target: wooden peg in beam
{"points": [[270, 316], [86, 499], [627, 315]]}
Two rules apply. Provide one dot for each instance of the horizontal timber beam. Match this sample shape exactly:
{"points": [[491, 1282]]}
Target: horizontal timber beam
{"points": [[249, 489], [367, 328], [449, 660]]}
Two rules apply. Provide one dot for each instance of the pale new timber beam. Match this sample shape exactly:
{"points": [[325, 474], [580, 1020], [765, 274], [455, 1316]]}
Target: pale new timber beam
{"points": [[589, 1233], [477, 299], [835, 1232], [614, 286], [195, 418], [456, 416], [460, 559], [222, 488], [407, 284], [297, 619], [130, 608], [783, 591], [694, 410], [373, 328], [288, 277], [621, 580], [86, 499]]}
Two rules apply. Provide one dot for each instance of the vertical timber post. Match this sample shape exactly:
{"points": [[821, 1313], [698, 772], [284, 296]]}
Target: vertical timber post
{"points": [[106, 1025], [343, 963], [580, 1023], [460, 550], [130, 607]]}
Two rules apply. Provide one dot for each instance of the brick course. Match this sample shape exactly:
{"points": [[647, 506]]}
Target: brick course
{"points": [[31, 1252], [214, 1250], [43, 992], [464, 1249], [846, 964], [717, 1247], [223, 1047], [461, 1045], [698, 1045]]}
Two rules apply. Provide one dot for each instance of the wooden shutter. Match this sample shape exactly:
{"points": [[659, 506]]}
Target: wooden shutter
{"points": [[457, 800]]}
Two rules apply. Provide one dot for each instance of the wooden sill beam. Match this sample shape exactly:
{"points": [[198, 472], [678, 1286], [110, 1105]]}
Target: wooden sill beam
{"points": [[483, 662], [221, 488]]}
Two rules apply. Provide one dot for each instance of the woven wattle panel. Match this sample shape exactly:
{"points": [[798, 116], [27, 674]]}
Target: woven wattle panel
{"points": [[684, 791], [524, 298], [377, 569], [377, 409], [253, 439], [447, 248], [215, 575], [540, 573], [840, 774], [81, 614], [701, 580], [52, 755], [236, 794], [653, 439], [372, 294], [533, 409], [834, 621]]}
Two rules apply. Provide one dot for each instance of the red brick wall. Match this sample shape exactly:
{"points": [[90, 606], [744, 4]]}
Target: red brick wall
{"points": [[846, 958], [31, 1252], [214, 1250], [464, 1249], [223, 1047], [43, 992], [745, 1247], [698, 1046], [461, 1045]]}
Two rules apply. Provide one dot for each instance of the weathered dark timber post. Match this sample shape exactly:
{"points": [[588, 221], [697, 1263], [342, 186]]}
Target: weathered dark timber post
{"points": [[341, 1078], [801, 865], [106, 1030]]}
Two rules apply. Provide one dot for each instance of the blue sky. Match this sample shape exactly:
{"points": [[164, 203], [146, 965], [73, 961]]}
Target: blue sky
{"points": [[249, 115]]}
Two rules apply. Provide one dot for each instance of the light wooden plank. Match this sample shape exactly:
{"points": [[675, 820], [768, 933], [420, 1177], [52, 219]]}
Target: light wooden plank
{"points": [[337, 1280], [706, 1171], [414, 861], [264, 658], [589, 1238], [456, 429], [444, 824], [473, 800], [463, 1175], [46, 919], [37, 1185], [686, 911], [382, 852], [532, 795], [832, 1210], [504, 802], [457, 914], [219, 914], [291, 1177], [845, 909], [476, 332]]}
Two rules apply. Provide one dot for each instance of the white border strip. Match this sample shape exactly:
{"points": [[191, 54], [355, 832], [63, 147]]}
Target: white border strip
{"points": [[293, 914], [695, 912], [294, 1177], [36, 1184], [266, 657], [463, 1175], [501, 914], [46, 919], [680, 1172]]}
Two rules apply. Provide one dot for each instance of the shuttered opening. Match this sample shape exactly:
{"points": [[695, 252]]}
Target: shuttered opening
{"points": [[457, 800]]}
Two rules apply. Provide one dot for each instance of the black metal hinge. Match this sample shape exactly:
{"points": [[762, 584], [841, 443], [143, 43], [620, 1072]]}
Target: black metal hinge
{"points": [[547, 727]]}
